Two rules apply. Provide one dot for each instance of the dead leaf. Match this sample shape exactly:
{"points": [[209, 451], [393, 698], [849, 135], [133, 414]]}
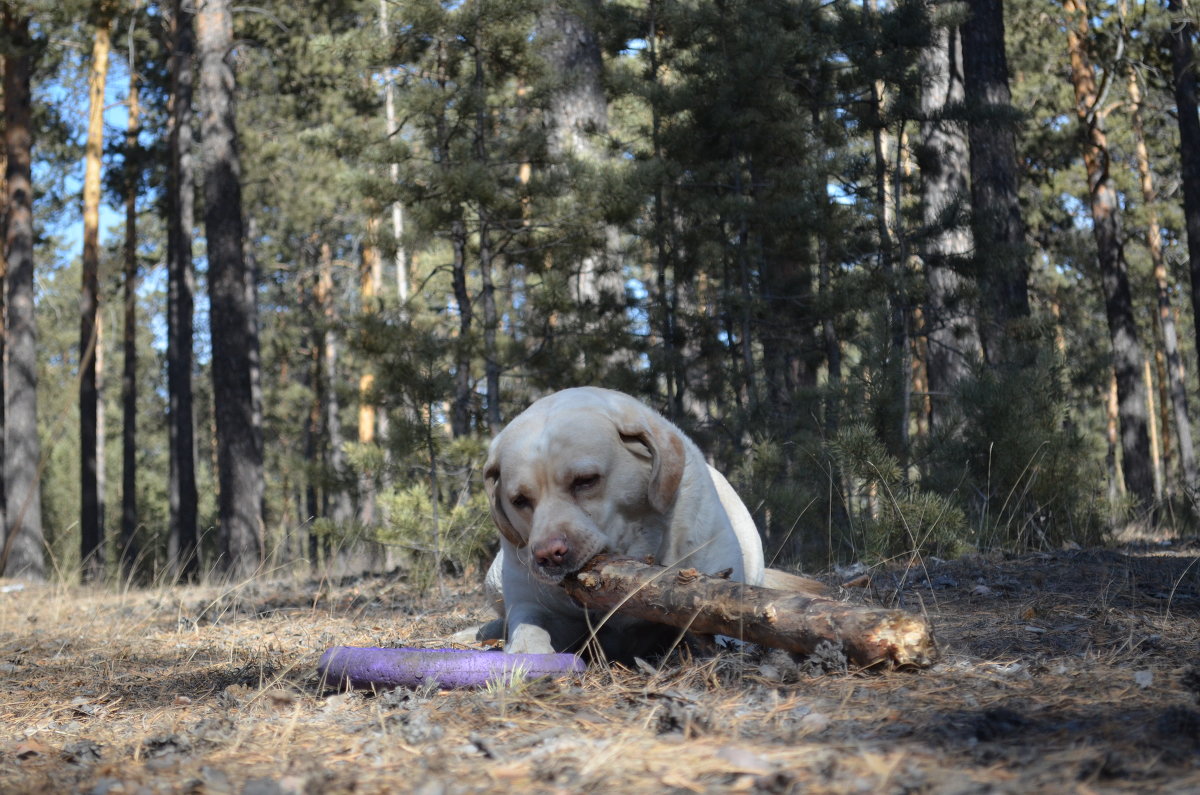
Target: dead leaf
{"points": [[27, 749], [282, 698]]}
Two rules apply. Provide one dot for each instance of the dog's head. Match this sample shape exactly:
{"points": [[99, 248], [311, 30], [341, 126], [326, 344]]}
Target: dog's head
{"points": [[575, 476]]}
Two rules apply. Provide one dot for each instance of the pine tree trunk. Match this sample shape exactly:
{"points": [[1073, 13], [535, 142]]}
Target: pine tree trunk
{"points": [[830, 344], [997, 227], [1183, 67], [233, 327], [1118, 301], [1161, 379], [183, 548], [1176, 379], [129, 511], [370, 276], [22, 553], [665, 315], [576, 113], [254, 353], [1152, 427], [101, 436], [312, 428], [895, 434], [3, 327], [491, 364], [943, 157], [1112, 435], [91, 529], [460, 418], [393, 129], [341, 507]]}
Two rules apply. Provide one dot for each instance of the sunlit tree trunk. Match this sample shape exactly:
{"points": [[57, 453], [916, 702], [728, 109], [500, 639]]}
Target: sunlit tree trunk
{"points": [[233, 326], [1174, 369], [369, 283], [22, 555], [953, 339], [393, 129], [576, 115], [1155, 449], [1118, 302], [91, 527]]}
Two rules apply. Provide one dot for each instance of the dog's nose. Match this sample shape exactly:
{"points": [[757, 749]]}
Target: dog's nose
{"points": [[552, 552]]}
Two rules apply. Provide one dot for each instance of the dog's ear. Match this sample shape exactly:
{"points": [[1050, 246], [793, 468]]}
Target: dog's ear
{"points": [[491, 484], [662, 442]]}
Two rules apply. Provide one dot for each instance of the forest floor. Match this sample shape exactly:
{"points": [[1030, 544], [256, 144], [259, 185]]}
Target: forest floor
{"points": [[1069, 671]]}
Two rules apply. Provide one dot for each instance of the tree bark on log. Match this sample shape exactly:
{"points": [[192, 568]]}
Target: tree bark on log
{"points": [[780, 619]]}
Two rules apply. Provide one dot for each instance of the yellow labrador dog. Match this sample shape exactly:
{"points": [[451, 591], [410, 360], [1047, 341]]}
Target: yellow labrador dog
{"points": [[591, 470]]}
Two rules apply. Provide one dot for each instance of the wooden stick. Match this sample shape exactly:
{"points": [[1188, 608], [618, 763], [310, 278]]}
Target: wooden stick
{"points": [[796, 622]]}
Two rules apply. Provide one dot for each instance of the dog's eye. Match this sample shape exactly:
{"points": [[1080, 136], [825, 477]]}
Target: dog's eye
{"points": [[584, 482], [521, 502]]}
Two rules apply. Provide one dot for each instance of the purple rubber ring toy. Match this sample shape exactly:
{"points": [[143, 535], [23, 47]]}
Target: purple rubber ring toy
{"points": [[366, 667]]}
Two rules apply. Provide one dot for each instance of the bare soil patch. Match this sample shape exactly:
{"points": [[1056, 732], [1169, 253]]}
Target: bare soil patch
{"points": [[1071, 671]]}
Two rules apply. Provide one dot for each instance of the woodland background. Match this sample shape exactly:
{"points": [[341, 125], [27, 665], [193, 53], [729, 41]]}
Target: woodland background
{"points": [[920, 276]]}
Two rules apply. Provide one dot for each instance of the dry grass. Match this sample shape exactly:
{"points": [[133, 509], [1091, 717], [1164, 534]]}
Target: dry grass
{"points": [[1068, 672]]}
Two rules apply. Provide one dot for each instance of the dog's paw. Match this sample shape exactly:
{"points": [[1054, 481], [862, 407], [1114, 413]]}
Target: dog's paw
{"points": [[528, 639]]}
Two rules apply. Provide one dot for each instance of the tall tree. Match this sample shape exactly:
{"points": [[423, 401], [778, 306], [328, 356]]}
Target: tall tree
{"points": [[444, 157], [232, 320], [997, 227], [393, 130], [370, 278], [91, 520], [183, 547], [1137, 464], [944, 160], [887, 219], [1174, 369], [487, 298], [1187, 113], [341, 509], [461, 406], [3, 333], [22, 555], [576, 118], [129, 507]]}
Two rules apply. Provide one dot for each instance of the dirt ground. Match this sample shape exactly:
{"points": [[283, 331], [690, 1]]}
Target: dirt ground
{"points": [[1072, 671]]}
